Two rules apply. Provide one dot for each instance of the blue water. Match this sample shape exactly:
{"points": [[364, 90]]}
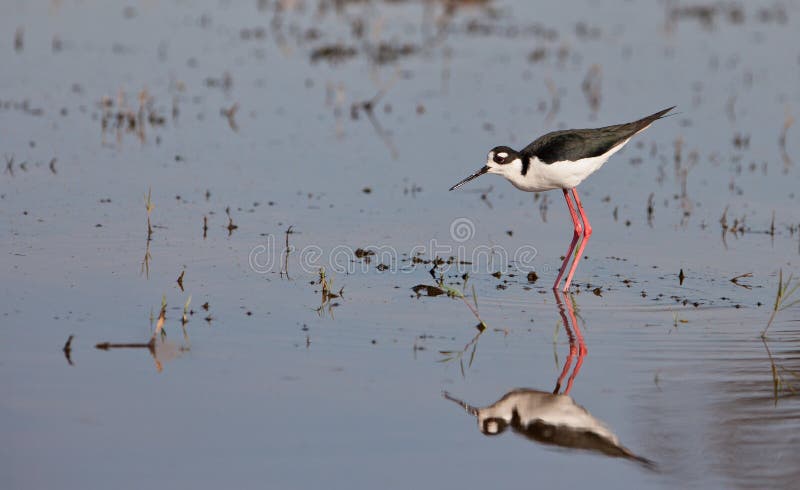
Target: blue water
{"points": [[267, 389]]}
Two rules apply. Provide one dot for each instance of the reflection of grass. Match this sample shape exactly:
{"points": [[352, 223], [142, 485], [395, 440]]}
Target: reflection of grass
{"points": [[676, 320], [185, 317], [148, 204], [157, 345], [780, 384], [327, 293], [184, 321], [454, 292], [162, 316], [472, 346]]}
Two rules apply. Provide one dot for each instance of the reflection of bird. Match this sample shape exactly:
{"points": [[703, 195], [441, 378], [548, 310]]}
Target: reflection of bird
{"points": [[562, 160], [550, 419]]}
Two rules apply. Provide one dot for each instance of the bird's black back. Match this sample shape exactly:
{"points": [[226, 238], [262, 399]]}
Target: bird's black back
{"points": [[575, 144]]}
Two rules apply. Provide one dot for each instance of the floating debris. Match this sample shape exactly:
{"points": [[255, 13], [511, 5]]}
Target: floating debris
{"points": [[426, 290], [361, 253], [333, 53]]}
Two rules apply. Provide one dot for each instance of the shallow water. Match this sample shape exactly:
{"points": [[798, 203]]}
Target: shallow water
{"points": [[271, 384]]}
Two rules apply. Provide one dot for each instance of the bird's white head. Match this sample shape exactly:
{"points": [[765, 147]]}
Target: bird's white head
{"points": [[501, 160], [504, 161]]}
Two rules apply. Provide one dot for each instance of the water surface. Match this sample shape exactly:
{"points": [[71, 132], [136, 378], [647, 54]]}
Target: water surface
{"points": [[346, 122]]}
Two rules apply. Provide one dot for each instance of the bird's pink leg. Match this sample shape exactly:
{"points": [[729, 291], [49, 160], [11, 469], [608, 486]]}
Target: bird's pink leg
{"points": [[576, 222], [587, 232]]}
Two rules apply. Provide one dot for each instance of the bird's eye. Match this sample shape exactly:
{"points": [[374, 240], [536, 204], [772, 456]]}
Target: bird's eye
{"points": [[499, 159]]}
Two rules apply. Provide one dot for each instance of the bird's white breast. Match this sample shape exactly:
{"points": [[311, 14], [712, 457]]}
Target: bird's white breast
{"points": [[560, 175]]}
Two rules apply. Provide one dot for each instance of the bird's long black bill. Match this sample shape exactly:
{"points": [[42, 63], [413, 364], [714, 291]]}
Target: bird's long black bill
{"points": [[473, 176]]}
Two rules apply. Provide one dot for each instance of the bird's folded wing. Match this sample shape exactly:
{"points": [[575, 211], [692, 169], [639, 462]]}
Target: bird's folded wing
{"points": [[576, 144]]}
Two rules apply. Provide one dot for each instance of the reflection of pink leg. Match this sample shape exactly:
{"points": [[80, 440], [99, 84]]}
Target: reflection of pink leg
{"points": [[587, 232], [576, 222], [572, 349], [570, 323], [581, 346], [567, 364]]}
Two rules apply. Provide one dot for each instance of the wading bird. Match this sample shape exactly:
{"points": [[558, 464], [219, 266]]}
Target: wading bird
{"points": [[562, 160]]}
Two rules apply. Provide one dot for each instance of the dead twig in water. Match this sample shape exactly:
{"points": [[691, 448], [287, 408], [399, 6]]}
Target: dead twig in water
{"points": [[286, 251], [134, 345], [68, 350], [230, 114], [150, 346], [231, 226], [735, 280]]}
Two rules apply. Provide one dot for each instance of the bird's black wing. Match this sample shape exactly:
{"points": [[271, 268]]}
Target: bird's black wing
{"points": [[575, 144]]}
